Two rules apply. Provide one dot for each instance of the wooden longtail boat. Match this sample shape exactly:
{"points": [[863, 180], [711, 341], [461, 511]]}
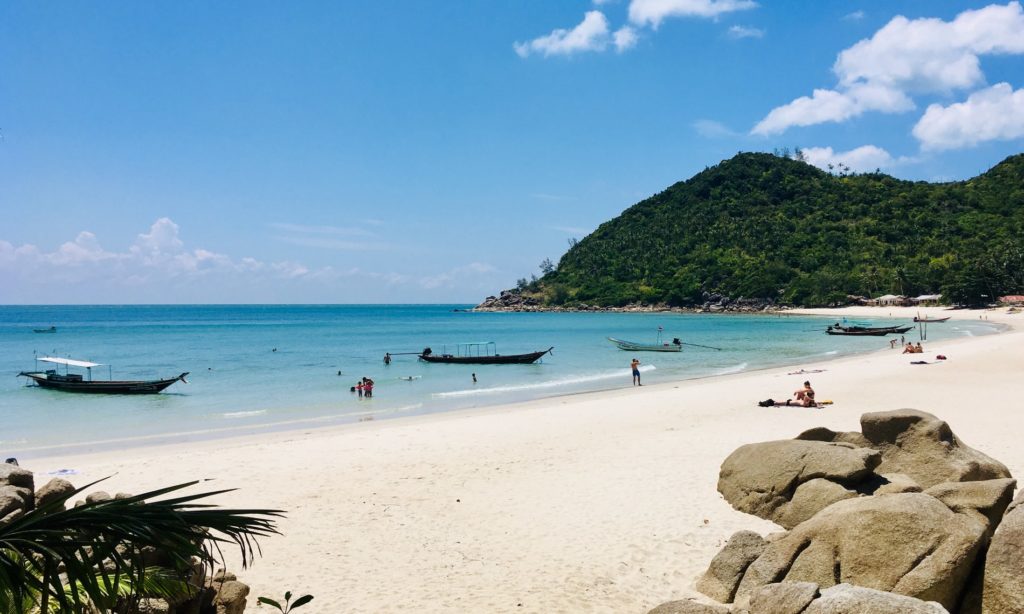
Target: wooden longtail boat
{"points": [[480, 354], [52, 329], [875, 331], [857, 333], [73, 382], [675, 346], [927, 320]]}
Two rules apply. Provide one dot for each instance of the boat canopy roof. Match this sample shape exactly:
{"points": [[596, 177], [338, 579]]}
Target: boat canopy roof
{"points": [[69, 362]]}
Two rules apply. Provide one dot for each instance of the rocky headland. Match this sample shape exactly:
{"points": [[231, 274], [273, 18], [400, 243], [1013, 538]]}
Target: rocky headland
{"points": [[901, 517], [515, 300]]}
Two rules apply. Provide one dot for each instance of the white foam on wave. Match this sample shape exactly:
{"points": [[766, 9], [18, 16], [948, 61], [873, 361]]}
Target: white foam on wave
{"points": [[733, 369], [244, 414], [558, 383], [380, 412]]}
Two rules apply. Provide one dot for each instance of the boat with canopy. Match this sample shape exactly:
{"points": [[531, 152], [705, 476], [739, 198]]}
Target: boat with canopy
{"points": [[75, 382], [480, 353]]}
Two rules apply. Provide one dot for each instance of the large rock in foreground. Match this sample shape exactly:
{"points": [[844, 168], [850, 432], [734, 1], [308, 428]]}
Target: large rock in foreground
{"points": [[908, 543], [764, 479], [1003, 584], [807, 598], [727, 568], [923, 447]]}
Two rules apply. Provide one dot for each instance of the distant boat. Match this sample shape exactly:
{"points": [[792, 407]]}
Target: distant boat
{"points": [[73, 382], [675, 346], [928, 320], [483, 353], [52, 329], [876, 331]]}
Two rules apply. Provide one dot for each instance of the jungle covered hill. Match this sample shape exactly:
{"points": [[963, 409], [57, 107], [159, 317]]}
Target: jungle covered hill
{"points": [[773, 228]]}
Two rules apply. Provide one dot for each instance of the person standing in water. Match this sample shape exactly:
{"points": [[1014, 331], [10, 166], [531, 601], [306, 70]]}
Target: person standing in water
{"points": [[635, 366], [387, 358], [474, 378]]}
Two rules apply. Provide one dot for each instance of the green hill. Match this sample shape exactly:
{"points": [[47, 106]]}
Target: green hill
{"points": [[769, 227]]}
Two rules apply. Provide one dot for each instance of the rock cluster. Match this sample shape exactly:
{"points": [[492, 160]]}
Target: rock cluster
{"points": [[902, 516], [220, 594], [514, 300], [509, 300]]}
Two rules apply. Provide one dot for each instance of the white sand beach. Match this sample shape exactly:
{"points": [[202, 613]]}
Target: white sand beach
{"points": [[602, 502]]}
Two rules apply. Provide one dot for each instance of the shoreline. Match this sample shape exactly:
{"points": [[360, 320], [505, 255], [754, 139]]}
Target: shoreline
{"points": [[343, 421], [599, 501]]}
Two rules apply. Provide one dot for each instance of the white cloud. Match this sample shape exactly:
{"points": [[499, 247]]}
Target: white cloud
{"points": [[710, 129], [160, 266], [591, 34], [333, 243], [904, 57], [739, 32], [328, 237], [994, 113], [324, 230], [653, 12], [832, 106], [157, 254], [854, 16], [861, 159], [573, 230], [624, 38], [450, 278]]}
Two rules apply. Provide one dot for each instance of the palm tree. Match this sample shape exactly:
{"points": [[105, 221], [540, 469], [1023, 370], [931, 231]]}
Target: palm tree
{"points": [[92, 555]]}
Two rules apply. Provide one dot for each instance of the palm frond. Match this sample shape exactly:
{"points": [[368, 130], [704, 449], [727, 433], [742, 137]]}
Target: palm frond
{"points": [[96, 547]]}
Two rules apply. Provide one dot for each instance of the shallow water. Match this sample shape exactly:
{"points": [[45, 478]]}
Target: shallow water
{"points": [[239, 382]]}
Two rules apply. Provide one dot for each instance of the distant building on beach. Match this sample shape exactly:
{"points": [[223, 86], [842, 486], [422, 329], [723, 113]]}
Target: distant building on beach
{"points": [[888, 300], [926, 300], [1012, 299]]}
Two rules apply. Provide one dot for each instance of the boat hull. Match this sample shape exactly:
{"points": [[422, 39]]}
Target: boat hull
{"points": [[859, 333], [511, 359], [103, 387], [641, 347], [928, 321]]}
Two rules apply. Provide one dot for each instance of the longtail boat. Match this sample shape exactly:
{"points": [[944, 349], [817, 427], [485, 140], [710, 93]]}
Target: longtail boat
{"points": [[483, 353], [876, 331], [928, 320], [74, 382], [52, 329], [675, 346]]}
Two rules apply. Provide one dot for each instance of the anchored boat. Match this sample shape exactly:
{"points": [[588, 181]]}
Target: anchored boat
{"points": [[481, 353], [74, 382], [622, 344]]}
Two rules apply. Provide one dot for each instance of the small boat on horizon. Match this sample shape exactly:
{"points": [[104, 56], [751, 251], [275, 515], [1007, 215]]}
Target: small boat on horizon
{"points": [[74, 382], [52, 329], [481, 353]]}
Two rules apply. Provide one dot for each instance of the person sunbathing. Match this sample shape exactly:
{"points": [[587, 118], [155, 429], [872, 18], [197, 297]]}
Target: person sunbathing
{"points": [[805, 396], [909, 349]]}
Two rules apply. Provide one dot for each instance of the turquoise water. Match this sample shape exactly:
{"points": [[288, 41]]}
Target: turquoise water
{"points": [[238, 383]]}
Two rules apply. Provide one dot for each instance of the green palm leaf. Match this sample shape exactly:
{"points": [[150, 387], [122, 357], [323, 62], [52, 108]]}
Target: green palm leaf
{"points": [[95, 547]]}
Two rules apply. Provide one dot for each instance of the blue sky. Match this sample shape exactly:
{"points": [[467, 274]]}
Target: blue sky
{"points": [[436, 152]]}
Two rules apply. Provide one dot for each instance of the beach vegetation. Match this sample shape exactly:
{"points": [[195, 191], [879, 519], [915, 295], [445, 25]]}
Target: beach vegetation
{"points": [[97, 555], [775, 228], [287, 607]]}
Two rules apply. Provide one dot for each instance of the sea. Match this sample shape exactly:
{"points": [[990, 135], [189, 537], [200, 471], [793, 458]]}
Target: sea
{"points": [[258, 368]]}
